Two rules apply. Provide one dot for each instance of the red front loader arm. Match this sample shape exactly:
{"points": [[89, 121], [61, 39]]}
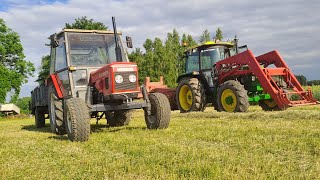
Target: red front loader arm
{"points": [[258, 66]]}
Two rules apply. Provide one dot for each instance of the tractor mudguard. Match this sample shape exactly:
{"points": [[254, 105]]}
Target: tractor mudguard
{"points": [[56, 82]]}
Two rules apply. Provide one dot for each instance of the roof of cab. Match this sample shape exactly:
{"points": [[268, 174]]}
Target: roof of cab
{"points": [[212, 43], [88, 31]]}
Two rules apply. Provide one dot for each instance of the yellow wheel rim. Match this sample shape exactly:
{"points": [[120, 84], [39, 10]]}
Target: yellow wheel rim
{"points": [[185, 97], [270, 102], [229, 100]]}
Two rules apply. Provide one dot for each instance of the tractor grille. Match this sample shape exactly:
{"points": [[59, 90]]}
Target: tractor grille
{"points": [[126, 84]]}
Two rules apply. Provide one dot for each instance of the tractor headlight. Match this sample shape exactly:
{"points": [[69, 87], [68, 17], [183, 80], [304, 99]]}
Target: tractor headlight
{"points": [[253, 78], [119, 79], [132, 78]]}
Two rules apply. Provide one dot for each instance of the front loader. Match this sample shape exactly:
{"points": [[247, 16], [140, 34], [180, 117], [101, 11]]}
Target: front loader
{"points": [[91, 77], [231, 77]]}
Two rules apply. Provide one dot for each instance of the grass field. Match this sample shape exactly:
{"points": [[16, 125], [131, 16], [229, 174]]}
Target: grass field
{"points": [[199, 145]]}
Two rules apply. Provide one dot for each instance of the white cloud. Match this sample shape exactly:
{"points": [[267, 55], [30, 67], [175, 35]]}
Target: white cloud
{"points": [[291, 26]]}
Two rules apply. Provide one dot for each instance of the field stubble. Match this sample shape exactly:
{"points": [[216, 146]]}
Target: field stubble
{"points": [[209, 144]]}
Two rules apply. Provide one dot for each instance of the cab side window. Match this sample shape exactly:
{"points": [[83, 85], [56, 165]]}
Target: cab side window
{"points": [[60, 56], [192, 62]]}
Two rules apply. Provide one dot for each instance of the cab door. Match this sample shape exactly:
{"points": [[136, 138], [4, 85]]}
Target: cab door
{"points": [[59, 66]]}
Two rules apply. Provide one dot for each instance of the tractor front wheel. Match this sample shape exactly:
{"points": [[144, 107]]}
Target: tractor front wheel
{"points": [[160, 112], [77, 120], [118, 118], [232, 97], [56, 112], [191, 95]]}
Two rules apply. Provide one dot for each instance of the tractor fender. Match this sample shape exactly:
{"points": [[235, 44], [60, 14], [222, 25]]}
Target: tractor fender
{"points": [[54, 80], [193, 75], [189, 75]]}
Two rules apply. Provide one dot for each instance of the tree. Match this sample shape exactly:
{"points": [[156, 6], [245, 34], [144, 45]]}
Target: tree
{"points": [[80, 23], [44, 69], [313, 83], [219, 34], [302, 79], [162, 58], [14, 69], [85, 23], [23, 104], [137, 56], [205, 36]]}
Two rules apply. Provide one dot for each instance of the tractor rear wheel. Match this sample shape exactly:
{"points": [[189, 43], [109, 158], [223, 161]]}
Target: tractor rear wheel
{"points": [[55, 106], [232, 97], [269, 105], [118, 118], [77, 120], [40, 119], [160, 112], [191, 95]]}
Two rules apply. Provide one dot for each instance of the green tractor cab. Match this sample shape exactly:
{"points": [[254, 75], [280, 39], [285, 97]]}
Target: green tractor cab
{"points": [[196, 87]]}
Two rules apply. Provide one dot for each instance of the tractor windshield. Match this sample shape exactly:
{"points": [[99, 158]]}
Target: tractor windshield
{"points": [[93, 49], [214, 54]]}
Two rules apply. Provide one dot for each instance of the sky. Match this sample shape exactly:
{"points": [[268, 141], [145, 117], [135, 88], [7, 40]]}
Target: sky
{"points": [[290, 26]]}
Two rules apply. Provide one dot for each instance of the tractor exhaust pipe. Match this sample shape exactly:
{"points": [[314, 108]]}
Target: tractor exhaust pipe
{"points": [[236, 44], [117, 48]]}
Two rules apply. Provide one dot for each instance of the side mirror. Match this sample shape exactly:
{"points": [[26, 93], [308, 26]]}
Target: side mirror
{"points": [[243, 48], [129, 42], [54, 40]]}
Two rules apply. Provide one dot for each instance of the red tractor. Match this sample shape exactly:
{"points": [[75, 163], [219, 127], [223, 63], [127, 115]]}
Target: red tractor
{"points": [[91, 77]]}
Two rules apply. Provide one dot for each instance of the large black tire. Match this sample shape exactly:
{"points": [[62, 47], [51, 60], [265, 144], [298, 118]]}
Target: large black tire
{"points": [[190, 95], [40, 120], [160, 112], [232, 97], [55, 106], [118, 118], [77, 120], [269, 105]]}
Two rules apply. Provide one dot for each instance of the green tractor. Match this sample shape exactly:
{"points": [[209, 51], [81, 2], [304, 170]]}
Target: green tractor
{"points": [[231, 77], [196, 87]]}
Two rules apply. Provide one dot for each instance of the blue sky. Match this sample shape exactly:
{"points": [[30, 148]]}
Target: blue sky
{"points": [[290, 26]]}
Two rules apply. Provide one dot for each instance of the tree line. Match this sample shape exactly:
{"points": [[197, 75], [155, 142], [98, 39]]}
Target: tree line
{"points": [[304, 82]]}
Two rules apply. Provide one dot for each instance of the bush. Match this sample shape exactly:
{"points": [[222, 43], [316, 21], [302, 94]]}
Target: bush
{"points": [[23, 104]]}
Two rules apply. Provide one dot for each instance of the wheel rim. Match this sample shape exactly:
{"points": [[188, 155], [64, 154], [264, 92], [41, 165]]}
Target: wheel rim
{"points": [[185, 97], [229, 100], [270, 102]]}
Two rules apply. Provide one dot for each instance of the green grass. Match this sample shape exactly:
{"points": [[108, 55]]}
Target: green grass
{"points": [[199, 145]]}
